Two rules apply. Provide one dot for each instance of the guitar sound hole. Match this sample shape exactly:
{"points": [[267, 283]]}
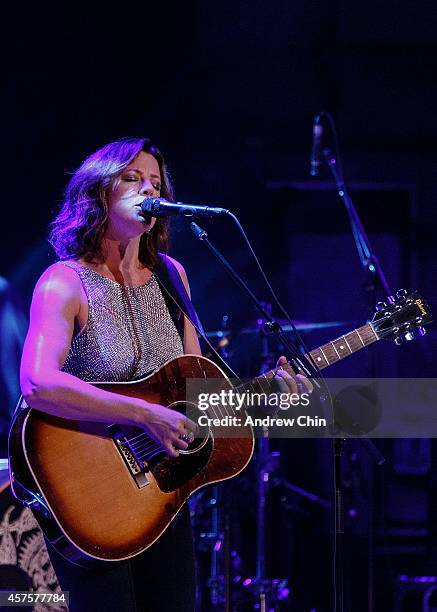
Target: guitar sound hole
{"points": [[190, 410]]}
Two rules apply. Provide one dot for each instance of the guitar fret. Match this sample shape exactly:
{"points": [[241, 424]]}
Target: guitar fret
{"points": [[368, 334], [252, 386], [323, 353], [345, 339], [330, 353], [256, 381], [264, 385], [263, 382], [358, 334], [374, 335], [266, 382], [338, 354], [353, 341], [317, 356], [342, 349]]}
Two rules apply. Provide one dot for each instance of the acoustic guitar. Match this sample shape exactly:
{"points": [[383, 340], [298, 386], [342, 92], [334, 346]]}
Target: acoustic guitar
{"points": [[107, 493]]}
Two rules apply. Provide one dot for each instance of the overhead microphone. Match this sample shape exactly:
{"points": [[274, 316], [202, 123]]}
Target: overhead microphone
{"points": [[159, 207], [316, 147]]}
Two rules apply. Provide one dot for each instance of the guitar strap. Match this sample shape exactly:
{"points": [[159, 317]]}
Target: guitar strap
{"points": [[179, 303], [175, 295]]}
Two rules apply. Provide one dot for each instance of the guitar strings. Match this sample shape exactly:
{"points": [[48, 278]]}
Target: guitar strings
{"points": [[147, 451], [146, 447], [138, 436], [141, 438], [145, 441], [145, 444]]}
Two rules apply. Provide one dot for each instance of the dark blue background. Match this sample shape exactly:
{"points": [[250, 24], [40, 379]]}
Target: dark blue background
{"points": [[228, 91]]}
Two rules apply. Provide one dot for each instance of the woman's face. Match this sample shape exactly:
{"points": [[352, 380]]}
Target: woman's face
{"points": [[139, 180]]}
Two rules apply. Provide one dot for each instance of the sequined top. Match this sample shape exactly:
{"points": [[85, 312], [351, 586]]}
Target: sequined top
{"points": [[129, 331]]}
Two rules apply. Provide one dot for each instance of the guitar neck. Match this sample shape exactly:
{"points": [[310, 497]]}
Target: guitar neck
{"points": [[325, 355]]}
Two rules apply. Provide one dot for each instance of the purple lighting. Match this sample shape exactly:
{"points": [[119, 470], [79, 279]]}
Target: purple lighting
{"points": [[418, 579], [283, 593]]}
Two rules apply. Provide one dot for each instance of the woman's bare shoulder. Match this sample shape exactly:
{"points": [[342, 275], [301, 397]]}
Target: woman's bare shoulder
{"points": [[61, 280]]}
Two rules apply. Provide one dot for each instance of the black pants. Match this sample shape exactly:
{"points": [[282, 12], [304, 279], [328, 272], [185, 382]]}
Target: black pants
{"points": [[159, 580]]}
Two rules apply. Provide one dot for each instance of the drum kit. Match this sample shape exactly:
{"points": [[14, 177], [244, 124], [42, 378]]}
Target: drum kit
{"points": [[226, 582]]}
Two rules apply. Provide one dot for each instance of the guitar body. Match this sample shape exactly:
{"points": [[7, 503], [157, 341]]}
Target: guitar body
{"points": [[97, 503]]}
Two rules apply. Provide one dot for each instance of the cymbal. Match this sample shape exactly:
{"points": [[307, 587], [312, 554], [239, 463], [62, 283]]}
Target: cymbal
{"points": [[300, 325], [219, 333]]}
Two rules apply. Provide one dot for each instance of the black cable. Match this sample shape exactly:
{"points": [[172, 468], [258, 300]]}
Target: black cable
{"points": [[305, 353], [200, 331]]}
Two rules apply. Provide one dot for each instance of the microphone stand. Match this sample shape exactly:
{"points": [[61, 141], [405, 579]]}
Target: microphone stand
{"points": [[375, 276], [301, 361], [263, 585], [368, 258]]}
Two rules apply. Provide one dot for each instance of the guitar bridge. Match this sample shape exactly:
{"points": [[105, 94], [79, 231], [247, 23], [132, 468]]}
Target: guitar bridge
{"points": [[136, 470]]}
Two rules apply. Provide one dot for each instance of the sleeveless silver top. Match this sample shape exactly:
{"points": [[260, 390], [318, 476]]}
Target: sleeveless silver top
{"points": [[129, 331]]}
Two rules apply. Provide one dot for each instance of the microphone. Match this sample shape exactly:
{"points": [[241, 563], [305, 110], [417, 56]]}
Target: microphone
{"points": [[158, 207], [316, 146]]}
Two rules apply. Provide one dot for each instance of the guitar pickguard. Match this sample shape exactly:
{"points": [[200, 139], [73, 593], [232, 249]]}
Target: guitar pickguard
{"points": [[171, 474]]}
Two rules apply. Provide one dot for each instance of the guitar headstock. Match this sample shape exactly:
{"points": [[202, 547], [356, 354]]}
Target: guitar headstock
{"points": [[397, 318]]}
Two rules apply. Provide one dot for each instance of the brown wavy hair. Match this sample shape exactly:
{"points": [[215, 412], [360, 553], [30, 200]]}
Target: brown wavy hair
{"points": [[78, 229]]}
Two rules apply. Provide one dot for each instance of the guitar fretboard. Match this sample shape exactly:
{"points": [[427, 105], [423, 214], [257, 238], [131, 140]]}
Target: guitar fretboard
{"points": [[344, 346]]}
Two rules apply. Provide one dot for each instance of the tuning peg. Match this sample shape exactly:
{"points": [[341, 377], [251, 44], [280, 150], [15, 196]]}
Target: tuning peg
{"points": [[421, 330], [401, 294], [398, 340], [390, 299], [381, 306], [409, 336]]}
